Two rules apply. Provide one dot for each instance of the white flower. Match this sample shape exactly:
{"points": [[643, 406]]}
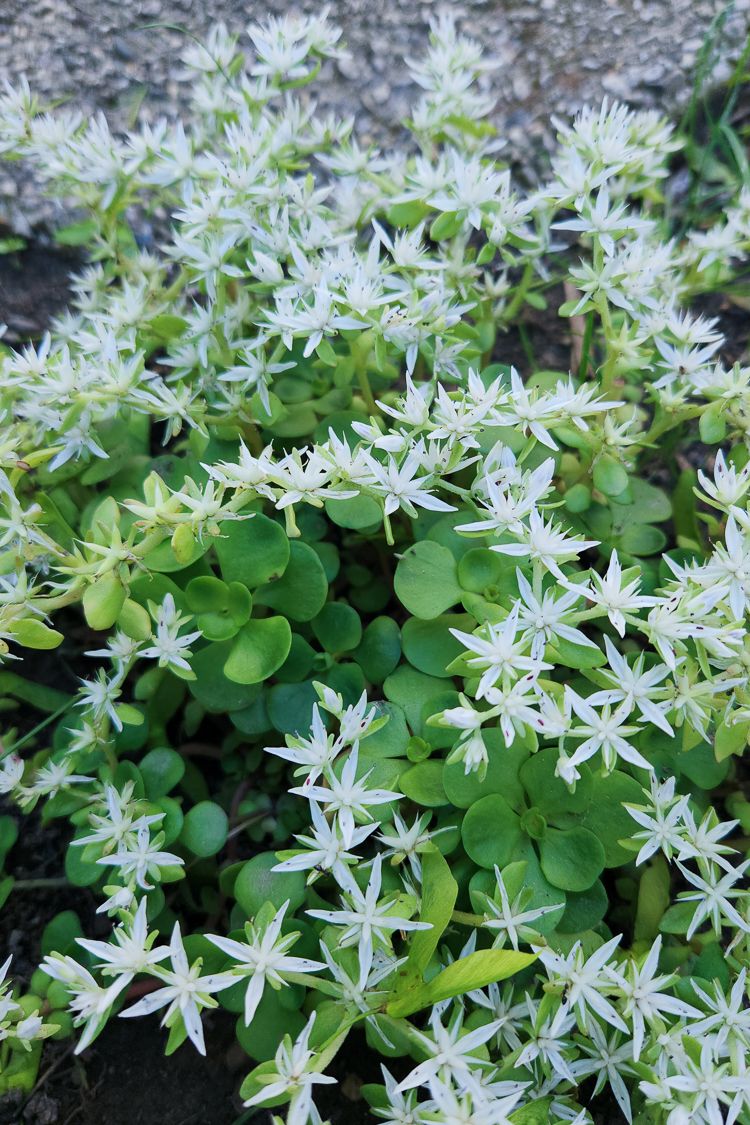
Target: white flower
{"points": [[366, 919], [170, 649], [713, 899], [185, 992], [609, 592], [450, 1051], [500, 653], [662, 821], [584, 981], [89, 1002], [645, 997], [141, 858], [263, 958], [131, 951], [509, 919], [546, 543], [293, 1075], [350, 799], [605, 731]]}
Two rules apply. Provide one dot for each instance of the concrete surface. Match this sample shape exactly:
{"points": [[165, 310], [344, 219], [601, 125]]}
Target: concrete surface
{"points": [[555, 55]]}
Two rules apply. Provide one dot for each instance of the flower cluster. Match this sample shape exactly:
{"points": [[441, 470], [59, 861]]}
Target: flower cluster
{"points": [[422, 676]]}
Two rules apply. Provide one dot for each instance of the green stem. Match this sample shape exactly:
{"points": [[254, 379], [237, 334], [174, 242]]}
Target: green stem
{"points": [[312, 981], [465, 919], [35, 730], [360, 354], [520, 294], [38, 884], [588, 336]]}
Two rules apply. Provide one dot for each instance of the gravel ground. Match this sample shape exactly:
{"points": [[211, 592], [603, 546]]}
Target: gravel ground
{"points": [[554, 54]]}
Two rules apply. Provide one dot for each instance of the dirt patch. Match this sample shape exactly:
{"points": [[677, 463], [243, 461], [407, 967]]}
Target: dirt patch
{"points": [[34, 287]]}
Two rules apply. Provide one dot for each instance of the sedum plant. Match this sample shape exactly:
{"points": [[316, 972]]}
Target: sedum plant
{"points": [[417, 684]]}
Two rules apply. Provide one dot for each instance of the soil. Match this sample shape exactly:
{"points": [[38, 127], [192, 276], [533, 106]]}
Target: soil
{"points": [[34, 287]]}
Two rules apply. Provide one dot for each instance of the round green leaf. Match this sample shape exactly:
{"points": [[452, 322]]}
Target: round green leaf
{"points": [[33, 633], [610, 476], [379, 651], [584, 909], [259, 649], [300, 593], [337, 627], [161, 769], [548, 792], [423, 784], [571, 859], [481, 570], [253, 551], [606, 816], [503, 765], [390, 740], [271, 1022], [206, 594], [641, 539], [358, 513], [211, 687], [257, 883], [490, 831], [290, 706], [204, 831], [426, 580], [429, 646], [103, 600]]}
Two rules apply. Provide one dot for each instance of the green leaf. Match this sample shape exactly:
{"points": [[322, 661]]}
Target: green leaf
{"points": [[206, 594], [490, 831], [439, 893], [548, 792], [534, 1113], [641, 539], [390, 740], [337, 627], [502, 777], [479, 969], [653, 899], [259, 649], [423, 784], [426, 580], [379, 651], [103, 600], [358, 513], [583, 909], [204, 831], [166, 326], [650, 504], [257, 883], [731, 738], [213, 690], [301, 592], [445, 226], [610, 476], [77, 234], [606, 816], [412, 690], [59, 935], [712, 423], [33, 633], [572, 859], [482, 571], [161, 769], [254, 551], [429, 646]]}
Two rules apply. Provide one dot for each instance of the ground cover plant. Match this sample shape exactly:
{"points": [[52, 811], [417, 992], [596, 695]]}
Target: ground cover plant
{"points": [[413, 685]]}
